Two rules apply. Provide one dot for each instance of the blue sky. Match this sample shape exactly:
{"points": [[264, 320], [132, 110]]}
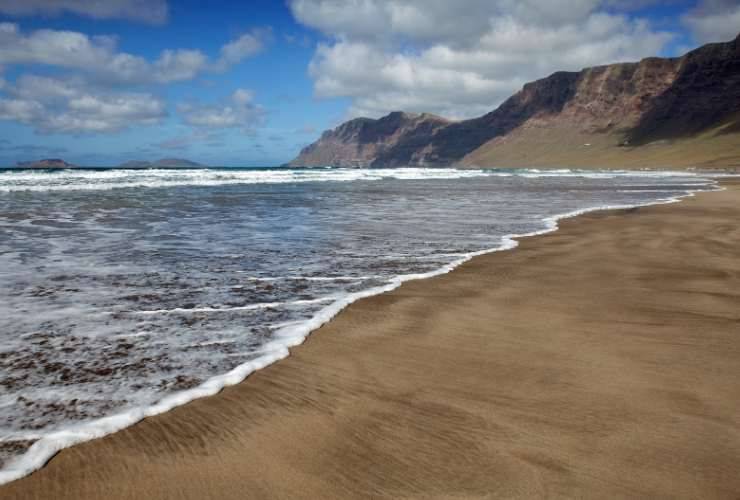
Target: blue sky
{"points": [[250, 83]]}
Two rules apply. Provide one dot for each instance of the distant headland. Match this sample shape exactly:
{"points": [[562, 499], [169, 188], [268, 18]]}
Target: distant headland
{"points": [[46, 163], [58, 163]]}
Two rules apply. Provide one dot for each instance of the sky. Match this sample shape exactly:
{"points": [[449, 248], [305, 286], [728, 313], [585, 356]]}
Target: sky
{"points": [[249, 83]]}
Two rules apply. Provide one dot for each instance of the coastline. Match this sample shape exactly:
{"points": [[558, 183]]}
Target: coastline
{"points": [[278, 349], [216, 442]]}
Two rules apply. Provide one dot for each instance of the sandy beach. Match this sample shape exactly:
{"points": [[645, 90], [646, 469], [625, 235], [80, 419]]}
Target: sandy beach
{"points": [[599, 361]]}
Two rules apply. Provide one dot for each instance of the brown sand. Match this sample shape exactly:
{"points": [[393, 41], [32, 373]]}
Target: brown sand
{"points": [[600, 361]]}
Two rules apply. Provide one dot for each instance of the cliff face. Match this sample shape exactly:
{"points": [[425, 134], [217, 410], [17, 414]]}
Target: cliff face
{"points": [[619, 111], [704, 93], [360, 142]]}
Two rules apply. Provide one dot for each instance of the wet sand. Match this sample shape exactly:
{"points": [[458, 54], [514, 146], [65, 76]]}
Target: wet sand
{"points": [[600, 361]]}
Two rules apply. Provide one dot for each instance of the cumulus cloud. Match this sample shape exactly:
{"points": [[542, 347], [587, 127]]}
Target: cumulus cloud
{"points": [[714, 20], [72, 106], [243, 47], [98, 56], [147, 11], [93, 100], [461, 59], [239, 111]]}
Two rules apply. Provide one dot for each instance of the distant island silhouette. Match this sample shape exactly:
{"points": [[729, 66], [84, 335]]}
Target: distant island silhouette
{"points": [[58, 163]]}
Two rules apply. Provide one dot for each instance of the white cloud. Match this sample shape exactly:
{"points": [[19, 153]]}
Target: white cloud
{"points": [[92, 101], [238, 112], [243, 47], [72, 106], [461, 59], [147, 11], [377, 20], [177, 65], [98, 56], [714, 20]]}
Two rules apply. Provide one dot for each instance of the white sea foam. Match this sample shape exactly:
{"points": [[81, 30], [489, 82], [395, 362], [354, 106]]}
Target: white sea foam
{"points": [[85, 180], [288, 334], [247, 307], [310, 278], [72, 180], [132, 335]]}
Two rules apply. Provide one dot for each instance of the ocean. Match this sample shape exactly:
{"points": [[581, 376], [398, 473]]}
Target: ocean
{"points": [[124, 293]]}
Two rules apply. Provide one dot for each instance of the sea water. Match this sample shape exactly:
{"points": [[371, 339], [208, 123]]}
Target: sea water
{"points": [[124, 293]]}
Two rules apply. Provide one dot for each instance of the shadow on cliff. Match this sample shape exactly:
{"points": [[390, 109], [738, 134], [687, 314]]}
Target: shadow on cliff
{"points": [[454, 141], [704, 95]]}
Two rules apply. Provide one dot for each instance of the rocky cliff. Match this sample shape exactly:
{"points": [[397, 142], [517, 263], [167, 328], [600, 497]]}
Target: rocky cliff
{"points": [[657, 112], [364, 142]]}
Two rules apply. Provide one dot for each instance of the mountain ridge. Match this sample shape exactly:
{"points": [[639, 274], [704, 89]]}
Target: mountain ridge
{"points": [[681, 111]]}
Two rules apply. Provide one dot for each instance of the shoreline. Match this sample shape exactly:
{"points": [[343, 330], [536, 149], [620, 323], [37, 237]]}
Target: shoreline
{"points": [[76, 457], [286, 339], [692, 169]]}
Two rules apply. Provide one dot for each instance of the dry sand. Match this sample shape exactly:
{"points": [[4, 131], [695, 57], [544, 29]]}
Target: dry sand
{"points": [[600, 361]]}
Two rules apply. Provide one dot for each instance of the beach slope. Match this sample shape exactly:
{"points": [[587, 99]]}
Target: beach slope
{"points": [[599, 361]]}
